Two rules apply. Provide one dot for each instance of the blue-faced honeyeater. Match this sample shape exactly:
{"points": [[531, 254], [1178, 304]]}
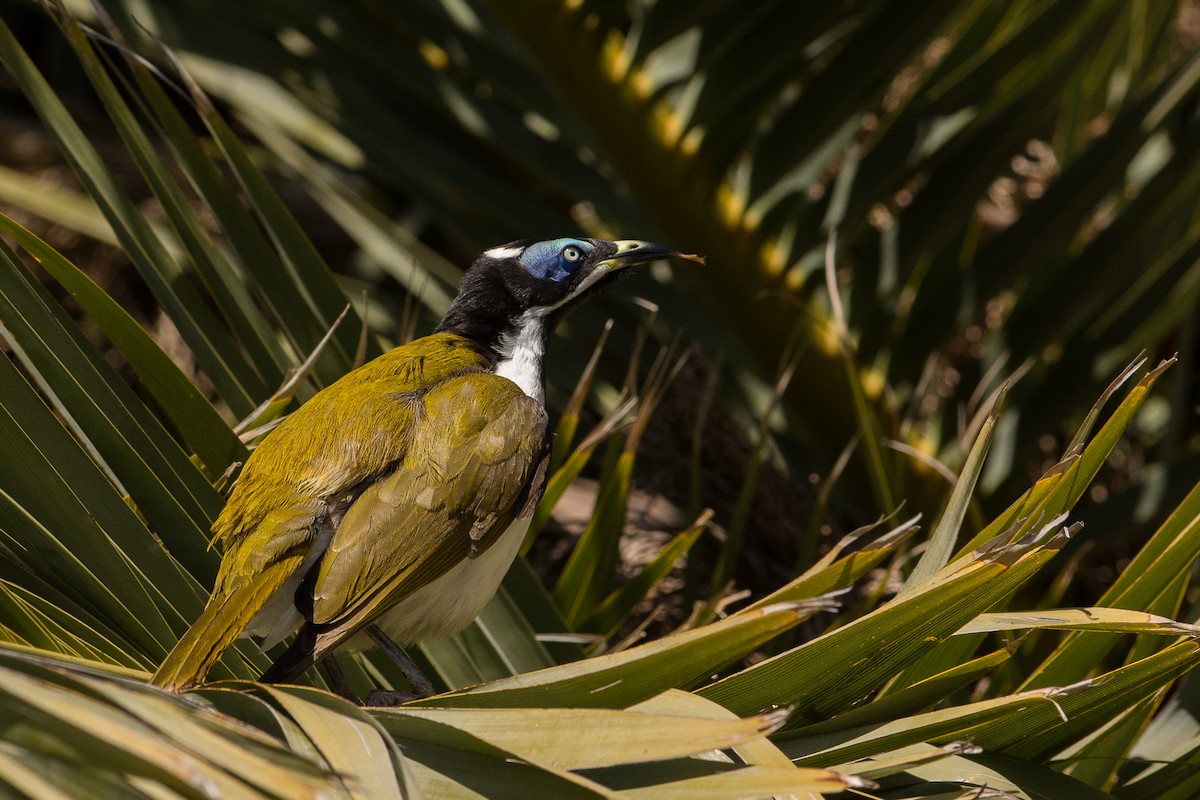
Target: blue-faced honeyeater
{"points": [[397, 497]]}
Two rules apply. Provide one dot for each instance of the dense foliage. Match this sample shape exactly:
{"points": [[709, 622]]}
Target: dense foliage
{"points": [[936, 234]]}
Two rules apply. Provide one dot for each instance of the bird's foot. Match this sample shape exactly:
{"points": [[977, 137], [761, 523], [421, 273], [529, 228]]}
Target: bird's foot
{"points": [[421, 685], [337, 680]]}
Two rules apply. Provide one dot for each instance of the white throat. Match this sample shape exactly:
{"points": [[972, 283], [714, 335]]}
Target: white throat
{"points": [[521, 355]]}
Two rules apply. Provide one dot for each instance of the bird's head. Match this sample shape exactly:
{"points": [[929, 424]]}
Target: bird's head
{"points": [[540, 281]]}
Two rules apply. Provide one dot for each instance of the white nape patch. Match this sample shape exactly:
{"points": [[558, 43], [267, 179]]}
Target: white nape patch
{"points": [[504, 252], [521, 354]]}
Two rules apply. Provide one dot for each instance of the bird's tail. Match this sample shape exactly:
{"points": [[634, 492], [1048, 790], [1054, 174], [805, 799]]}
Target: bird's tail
{"points": [[225, 617]]}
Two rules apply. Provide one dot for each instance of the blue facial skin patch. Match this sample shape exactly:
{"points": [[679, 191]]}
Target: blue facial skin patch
{"points": [[545, 260]]}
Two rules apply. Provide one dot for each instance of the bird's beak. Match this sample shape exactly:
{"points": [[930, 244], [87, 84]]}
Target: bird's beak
{"points": [[632, 251]]}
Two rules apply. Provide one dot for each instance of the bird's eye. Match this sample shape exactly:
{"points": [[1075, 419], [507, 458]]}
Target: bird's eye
{"points": [[572, 253]]}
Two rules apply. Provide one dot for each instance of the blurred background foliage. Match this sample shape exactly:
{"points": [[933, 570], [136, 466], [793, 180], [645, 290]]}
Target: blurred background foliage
{"points": [[1012, 187], [905, 208]]}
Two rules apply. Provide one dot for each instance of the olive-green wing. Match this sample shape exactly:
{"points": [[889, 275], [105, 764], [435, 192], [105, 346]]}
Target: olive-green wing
{"points": [[477, 447], [302, 477], [346, 435]]}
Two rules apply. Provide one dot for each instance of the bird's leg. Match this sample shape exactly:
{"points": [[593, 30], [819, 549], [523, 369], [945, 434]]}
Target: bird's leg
{"points": [[337, 679], [421, 686]]}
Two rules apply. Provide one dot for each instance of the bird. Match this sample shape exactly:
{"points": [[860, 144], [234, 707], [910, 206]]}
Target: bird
{"points": [[388, 507]]}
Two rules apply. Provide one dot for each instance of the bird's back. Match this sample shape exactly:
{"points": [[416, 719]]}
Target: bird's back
{"points": [[352, 431], [298, 484]]}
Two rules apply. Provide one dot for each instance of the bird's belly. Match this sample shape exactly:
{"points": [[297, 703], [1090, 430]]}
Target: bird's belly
{"points": [[451, 602]]}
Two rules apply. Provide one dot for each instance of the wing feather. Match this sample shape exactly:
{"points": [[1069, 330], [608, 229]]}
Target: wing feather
{"points": [[466, 477], [296, 485]]}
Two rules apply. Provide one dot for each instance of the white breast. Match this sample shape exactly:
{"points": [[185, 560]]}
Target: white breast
{"points": [[521, 356]]}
